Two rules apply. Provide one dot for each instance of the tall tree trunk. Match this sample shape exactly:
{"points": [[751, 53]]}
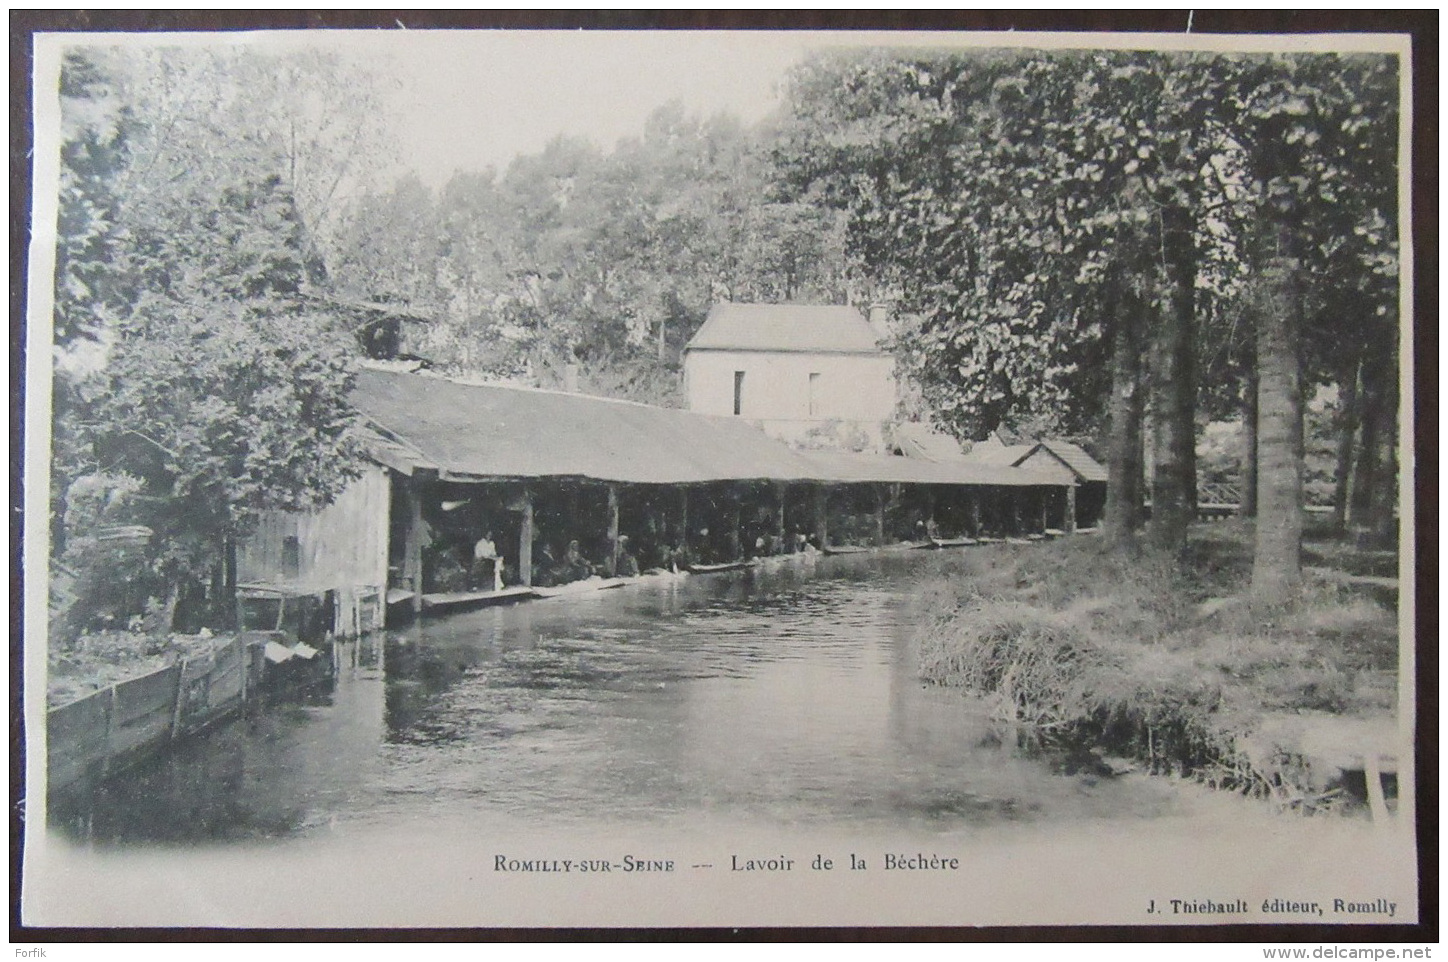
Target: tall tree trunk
{"points": [[1173, 387], [1361, 494], [1380, 517], [1347, 426], [1123, 485], [1247, 507], [1277, 558], [232, 613]]}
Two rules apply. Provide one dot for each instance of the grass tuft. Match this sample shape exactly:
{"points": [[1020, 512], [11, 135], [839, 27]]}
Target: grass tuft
{"points": [[1167, 661]]}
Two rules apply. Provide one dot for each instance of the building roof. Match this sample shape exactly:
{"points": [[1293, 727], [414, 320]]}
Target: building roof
{"points": [[794, 328], [847, 467], [1004, 455], [916, 440], [1083, 465], [470, 432]]}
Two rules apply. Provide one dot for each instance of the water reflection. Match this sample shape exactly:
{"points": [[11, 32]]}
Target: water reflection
{"points": [[785, 695]]}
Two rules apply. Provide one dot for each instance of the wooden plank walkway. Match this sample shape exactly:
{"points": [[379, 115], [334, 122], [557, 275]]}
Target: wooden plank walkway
{"points": [[458, 599]]}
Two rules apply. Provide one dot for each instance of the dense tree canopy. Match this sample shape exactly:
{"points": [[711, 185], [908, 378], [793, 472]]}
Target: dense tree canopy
{"points": [[604, 260], [1064, 229]]}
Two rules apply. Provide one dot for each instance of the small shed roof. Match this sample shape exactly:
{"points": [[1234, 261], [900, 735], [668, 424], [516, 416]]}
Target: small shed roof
{"points": [[916, 440], [1083, 465], [797, 328], [1003, 455]]}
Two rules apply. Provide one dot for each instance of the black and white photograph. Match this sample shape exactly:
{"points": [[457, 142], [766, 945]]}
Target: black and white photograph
{"points": [[527, 478]]}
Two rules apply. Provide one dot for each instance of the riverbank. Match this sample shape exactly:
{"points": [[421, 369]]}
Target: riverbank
{"points": [[98, 660], [1117, 662]]}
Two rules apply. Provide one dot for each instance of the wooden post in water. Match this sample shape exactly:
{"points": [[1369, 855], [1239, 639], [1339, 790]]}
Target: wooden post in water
{"points": [[822, 514], [525, 541], [879, 515], [1070, 521], [412, 545], [684, 518], [612, 530]]}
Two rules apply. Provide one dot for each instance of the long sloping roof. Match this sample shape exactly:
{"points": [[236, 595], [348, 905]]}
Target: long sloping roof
{"points": [[477, 431], [846, 467], [800, 328], [480, 430]]}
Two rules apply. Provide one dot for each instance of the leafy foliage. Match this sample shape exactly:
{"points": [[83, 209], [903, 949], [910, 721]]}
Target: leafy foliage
{"points": [[604, 261], [212, 393]]}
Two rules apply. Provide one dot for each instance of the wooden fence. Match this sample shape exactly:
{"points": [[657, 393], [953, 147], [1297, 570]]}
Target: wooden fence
{"points": [[117, 725]]}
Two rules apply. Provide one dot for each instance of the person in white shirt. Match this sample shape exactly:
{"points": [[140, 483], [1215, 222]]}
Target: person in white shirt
{"points": [[485, 552]]}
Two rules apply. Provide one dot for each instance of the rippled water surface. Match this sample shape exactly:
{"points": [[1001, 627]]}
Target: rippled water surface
{"points": [[777, 696]]}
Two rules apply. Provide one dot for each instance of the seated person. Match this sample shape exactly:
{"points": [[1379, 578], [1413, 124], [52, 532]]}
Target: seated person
{"points": [[545, 567], [628, 565], [677, 559], [485, 556], [573, 567]]}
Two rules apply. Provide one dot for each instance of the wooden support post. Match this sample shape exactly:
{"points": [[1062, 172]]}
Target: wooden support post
{"points": [[822, 515], [736, 535], [1377, 800], [781, 491], [612, 530], [525, 541], [1045, 504], [1070, 522], [1015, 513], [412, 546], [879, 515], [972, 512], [178, 698], [684, 518]]}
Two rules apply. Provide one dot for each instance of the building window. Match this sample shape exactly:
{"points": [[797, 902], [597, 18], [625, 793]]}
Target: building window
{"points": [[738, 391], [814, 395], [291, 556]]}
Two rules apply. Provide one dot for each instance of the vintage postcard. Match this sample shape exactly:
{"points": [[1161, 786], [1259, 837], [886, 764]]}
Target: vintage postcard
{"points": [[586, 478]]}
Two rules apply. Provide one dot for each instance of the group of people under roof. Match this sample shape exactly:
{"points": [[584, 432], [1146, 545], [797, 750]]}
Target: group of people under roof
{"points": [[462, 549], [487, 570]]}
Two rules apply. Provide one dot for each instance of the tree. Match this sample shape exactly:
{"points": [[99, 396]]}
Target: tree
{"points": [[1321, 185], [214, 394], [1028, 207], [606, 262], [222, 409], [210, 116]]}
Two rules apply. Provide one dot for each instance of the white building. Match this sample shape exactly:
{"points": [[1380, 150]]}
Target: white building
{"points": [[811, 375]]}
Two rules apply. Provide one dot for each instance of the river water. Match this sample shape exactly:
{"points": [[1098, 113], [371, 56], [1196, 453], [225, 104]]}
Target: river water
{"points": [[700, 726], [778, 696]]}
